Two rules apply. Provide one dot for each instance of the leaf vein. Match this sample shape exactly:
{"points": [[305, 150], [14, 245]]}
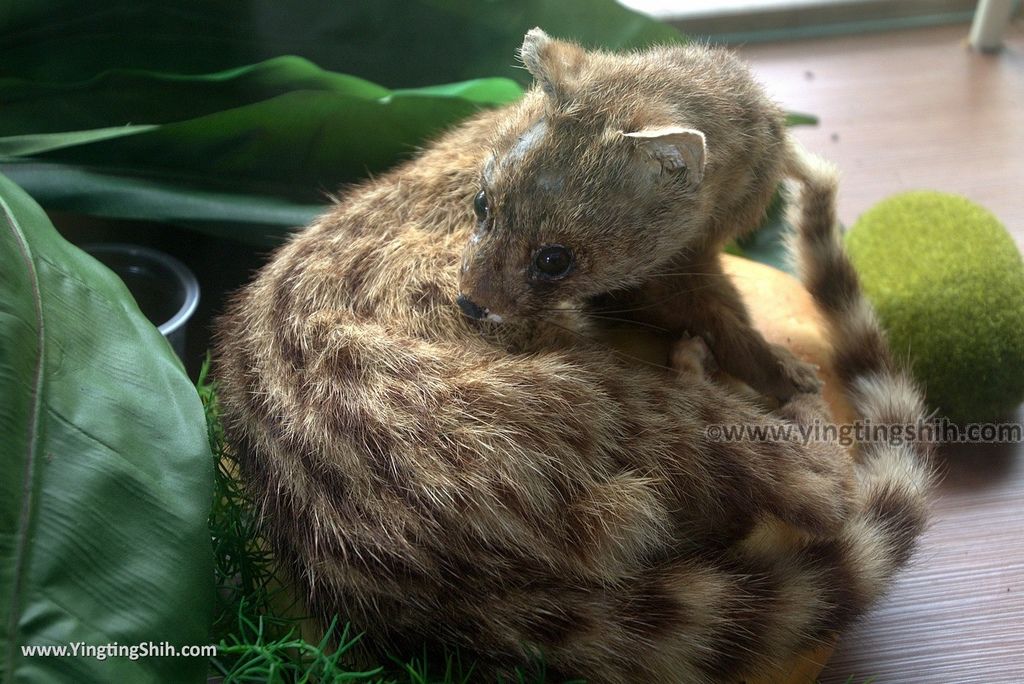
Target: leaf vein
{"points": [[31, 456]]}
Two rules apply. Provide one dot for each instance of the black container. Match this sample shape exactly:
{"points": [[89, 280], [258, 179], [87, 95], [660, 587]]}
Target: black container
{"points": [[164, 288]]}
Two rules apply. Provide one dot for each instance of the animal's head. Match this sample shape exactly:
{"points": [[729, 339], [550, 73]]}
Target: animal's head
{"points": [[590, 187]]}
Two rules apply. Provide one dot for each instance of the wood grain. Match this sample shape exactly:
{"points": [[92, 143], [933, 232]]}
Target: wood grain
{"points": [[957, 615], [899, 111], [908, 110]]}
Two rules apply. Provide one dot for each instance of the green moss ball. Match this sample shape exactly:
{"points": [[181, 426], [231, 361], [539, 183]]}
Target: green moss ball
{"points": [[948, 284]]}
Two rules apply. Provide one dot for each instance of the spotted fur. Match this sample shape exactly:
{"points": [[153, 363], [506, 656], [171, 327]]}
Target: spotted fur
{"points": [[526, 493], [638, 168]]}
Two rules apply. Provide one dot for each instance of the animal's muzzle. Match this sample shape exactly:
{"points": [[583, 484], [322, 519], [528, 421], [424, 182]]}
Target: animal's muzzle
{"points": [[471, 308]]}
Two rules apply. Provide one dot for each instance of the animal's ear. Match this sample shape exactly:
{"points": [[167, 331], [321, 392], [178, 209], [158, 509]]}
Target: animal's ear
{"points": [[674, 149], [554, 63]]}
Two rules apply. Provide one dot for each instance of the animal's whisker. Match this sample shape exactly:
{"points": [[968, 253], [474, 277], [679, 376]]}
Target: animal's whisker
{"points": [[649, 305], [630, 321], [671, 274], [657, 302], [614, 319], [614, 351]]}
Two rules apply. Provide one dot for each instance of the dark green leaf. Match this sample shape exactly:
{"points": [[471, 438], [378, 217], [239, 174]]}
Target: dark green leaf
{"points": [[399, 43], [256, 219], [37, 143], [131, 96], [801, 119], [768, 243], [105, 479], [236, 117], [302, 144], [314, 131]]}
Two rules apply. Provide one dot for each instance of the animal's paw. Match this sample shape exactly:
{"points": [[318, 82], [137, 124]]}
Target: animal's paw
{"points": [[691, 356], [794, 376]]}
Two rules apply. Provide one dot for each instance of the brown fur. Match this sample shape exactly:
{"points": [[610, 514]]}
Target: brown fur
{"points": [[523, 491], [642, 166]]}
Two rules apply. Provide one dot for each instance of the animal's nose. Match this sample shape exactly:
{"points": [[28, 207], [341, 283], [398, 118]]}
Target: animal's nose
{"points": [[470, 308]]}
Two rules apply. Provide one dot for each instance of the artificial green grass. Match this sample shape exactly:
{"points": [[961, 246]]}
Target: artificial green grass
{"points": [[256, 626]]}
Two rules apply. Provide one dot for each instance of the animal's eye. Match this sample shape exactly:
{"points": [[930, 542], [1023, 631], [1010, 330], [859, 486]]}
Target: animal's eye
{"points": [[480, 206], [553, 261]]}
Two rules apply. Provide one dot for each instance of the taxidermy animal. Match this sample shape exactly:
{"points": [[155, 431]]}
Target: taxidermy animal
{"points": [[616, 192], [518, 488]]}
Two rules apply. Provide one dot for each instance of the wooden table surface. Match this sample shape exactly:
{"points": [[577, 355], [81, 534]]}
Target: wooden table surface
{"points": [[899, 111], [906, 110]]}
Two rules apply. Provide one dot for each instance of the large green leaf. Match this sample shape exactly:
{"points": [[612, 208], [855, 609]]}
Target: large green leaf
{"points": [[243, 166], [167, 175], [125, 102], [254, 219], [301, 144], [400, 43], [284, 127], [105, 471], [132, 96]]}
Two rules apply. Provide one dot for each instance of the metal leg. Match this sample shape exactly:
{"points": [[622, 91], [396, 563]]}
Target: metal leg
{"points": [[990, 20]]}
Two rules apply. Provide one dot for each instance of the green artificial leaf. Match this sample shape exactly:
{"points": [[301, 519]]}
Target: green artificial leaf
{"points": [[37, 143], [243, 166], [399, 43], [144, 111], [192, 103], [767, 244], [284, 127], [300, 145], [254, 219], [105, 476], [121, 97], [801, 119]]}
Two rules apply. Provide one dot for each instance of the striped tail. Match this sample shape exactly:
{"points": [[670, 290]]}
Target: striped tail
{"points": [[894, 468]]}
